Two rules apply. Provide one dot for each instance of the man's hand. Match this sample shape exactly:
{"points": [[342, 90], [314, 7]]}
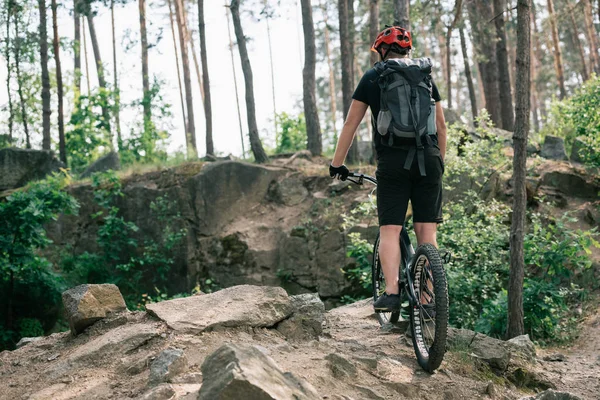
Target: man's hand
{"points": [[340, 172]]}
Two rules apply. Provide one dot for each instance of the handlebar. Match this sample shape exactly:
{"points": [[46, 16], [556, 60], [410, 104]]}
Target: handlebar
{"points": [[361, 178]]}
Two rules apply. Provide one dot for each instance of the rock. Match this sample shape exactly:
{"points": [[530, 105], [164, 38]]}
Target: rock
{"points": [[26, 340], [578, 150], [289, 191], [533, 148], [553, 395], [338, 186], [86, 304], [168, 364], [524, 378], [162, 392], [368, 393], [554, 148], [20, 166], [491, 390], [107, 162], [492, 351], [522, 347], [555, 357], [234, 372], [571, 182], [306, 322], [244, 305], [188, 379], [553, 196], [341, 367]]}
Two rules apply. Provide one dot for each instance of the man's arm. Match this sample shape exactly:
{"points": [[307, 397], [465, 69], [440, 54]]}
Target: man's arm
{"points": [[440, 124], [355, 115]]}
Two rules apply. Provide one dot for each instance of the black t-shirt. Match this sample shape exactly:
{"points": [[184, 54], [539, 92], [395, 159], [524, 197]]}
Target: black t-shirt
{"points": [[368, 92]]}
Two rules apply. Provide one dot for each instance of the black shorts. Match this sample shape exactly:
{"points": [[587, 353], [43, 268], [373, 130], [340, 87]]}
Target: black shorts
{"points": [[396, 185]]}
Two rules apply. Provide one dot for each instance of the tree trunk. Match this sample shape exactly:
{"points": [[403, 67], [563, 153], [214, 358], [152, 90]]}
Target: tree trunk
{"points": [[592, 35], [311, 113], [177, 65], [468, 75], [479, 14], [46, 110], [517, 228], [85, 59], [373, 26], [190, 39], [536, 61], [210, 149], [116, 91], [534, 93], [558, 63], [506, 101], [267, 17], [458, 10], [255, 144], [100, 70], [237, 97], [577, 43], [59, 87], [77, 47], [146, 101], [24, 115], [190, 126], [346, 45], [9, 12], [332, 91], [402, 13]]}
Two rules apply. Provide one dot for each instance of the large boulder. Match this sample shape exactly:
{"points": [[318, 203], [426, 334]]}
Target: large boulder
{"points": [[571, 181], [554, 148], [492, 351], [245, 305], [20, 166], [86, 304], [307, 319], [234, 372], [107, 162], [553, 395]]}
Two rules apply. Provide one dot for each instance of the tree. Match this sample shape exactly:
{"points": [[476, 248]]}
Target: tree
{"points": [[480, 12], [311, 113], [347, 67], [504, 87], [237, 97], [468, 75], [373, 26], [458, 11], [178, 69], [116, 91], [402, 13], [59, 87], [187, 82], [205, 77], [332, 92], [20, 81], [268, 13], [77, 47], [255, 144], [558, 63], [517, 229], [592, 35], [577, 43], [47, 111], [9, 11], [147, 100]]}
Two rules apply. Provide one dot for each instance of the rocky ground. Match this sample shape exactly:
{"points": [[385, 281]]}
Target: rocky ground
{"points": [[280, 346]]}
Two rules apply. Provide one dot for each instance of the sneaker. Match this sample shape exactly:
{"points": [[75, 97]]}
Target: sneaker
{"points": [[387, 303]]}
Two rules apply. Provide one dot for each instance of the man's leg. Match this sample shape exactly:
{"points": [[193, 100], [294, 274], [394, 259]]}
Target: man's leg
{"points": [[426, 233], [389, 255]]}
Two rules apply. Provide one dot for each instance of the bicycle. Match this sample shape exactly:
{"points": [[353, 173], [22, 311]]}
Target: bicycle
{"points": [[420, 272]]}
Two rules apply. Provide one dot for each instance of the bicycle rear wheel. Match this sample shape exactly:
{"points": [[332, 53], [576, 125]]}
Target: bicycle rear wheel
{"points": [[378, 282], [429, 307]]}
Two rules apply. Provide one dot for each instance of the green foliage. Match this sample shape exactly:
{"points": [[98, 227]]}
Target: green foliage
{"points": [[88, 135], [31, 291], [579, 116], [137, 268], [291, 135], [360, 273]]}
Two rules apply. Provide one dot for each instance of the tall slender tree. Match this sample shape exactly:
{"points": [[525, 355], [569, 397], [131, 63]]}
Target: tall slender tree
{"points": [[7, 43], [517, 229], [85, 59], [77, 47], [268, 12], [347, 68], [592, 35], [46, 110], [59, 86], [457, 14], [558, 62], [577, 42], [311, 113], [255, 144], [210, 149], [237, 97], [373, 26], [20, 83], [177, 67], [402, 13], [146, 100], [116, 90], [504, 86], [468, 75], [332, 91], [192, 149]]}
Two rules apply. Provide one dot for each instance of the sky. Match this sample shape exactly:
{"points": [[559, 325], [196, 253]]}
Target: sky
{"points": [[287, 51]]}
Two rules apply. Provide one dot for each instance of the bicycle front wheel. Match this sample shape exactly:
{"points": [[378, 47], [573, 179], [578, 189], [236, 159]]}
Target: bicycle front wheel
{"points": [[378, 282], [429, 307]]}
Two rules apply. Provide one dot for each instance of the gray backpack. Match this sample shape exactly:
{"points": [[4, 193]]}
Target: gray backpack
{"points": [[407, 107]]}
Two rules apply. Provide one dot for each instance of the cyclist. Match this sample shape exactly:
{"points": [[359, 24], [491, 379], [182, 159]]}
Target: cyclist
{"points": [[408, 166]]}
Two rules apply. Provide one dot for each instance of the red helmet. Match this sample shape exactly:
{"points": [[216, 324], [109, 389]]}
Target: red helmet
{"points": [[395, 36]]}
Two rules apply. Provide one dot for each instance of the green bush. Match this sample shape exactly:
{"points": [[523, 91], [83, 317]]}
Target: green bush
{"points": [[30, 289], [579, 115], [291, 133]]}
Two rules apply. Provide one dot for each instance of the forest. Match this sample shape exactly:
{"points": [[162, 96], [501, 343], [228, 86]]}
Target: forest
{"points": [[178, 83]]}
